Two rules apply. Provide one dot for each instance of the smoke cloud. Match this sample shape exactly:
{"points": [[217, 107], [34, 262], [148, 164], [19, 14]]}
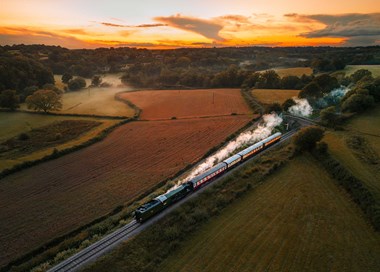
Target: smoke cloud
{"points": [[333, 97], [301, 108], [263, 130]]}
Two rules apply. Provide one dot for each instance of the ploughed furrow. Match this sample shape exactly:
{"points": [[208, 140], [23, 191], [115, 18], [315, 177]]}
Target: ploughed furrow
{"points": [[297, 220], [166, 104], [53, 198]]}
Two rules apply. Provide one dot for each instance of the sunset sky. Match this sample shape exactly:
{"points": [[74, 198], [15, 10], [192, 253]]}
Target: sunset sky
{"points": [[190, 23]]}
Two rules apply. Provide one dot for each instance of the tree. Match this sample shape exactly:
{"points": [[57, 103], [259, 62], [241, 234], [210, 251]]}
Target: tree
{"points": [[275, 107], [358, 102], [96, 81], [307, 138], [45, 100], [76, 84], [372, 85], [9, 99], [269, 80], [359, 74], [66, 77], [326, 82], [288, 103], [311, 90], [290, 82], [329, 117]]}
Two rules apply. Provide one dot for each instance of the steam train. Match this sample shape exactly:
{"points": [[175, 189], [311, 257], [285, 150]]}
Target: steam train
{"points": [[159, 203]]}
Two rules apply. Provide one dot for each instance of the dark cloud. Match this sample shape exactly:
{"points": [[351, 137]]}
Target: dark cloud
{"points": [[354, 27], [207, 28], [142, 25]]}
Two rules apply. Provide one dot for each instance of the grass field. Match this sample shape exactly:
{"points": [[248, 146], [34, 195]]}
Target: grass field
{"points": [[268, 96], [14, 123], [43, 137], [350, 69], [50, 199], [94, 101], [365, 126], [165, 104], [298, 220]]}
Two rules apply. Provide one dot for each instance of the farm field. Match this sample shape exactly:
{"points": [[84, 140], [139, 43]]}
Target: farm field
{"points": [[50, 199], [165, 104], [268, 96], [360, 126], [350, 69], [295, 221], [14, 123], [94, 101]]}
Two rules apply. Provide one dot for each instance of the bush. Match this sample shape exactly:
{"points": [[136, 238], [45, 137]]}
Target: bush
{"points": [[23, 137], [76, 84], [329, 117], [307, 138], [321, 147], [358, 103]]}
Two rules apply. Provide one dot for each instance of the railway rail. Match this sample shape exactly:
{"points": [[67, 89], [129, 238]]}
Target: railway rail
{"points": [[112, 240], [98, 248]]}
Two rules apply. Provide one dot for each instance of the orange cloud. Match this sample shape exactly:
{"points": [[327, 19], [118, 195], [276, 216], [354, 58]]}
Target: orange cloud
{"points": [[18, 35], [138, 26]]}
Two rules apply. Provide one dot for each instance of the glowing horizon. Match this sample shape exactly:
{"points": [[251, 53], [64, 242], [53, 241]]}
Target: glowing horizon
{"points": [[173, 24]]}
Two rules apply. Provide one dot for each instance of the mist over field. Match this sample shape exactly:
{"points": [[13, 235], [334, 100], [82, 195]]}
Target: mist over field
{"points": [[97, 100]]}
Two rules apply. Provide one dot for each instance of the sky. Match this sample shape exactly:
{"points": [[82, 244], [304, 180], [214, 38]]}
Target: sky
{"points": [[190, 23]]}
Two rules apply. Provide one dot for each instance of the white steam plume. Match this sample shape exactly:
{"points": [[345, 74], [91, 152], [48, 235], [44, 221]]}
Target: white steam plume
{"points": [[333, 97], [301, 108], [270, 121]]}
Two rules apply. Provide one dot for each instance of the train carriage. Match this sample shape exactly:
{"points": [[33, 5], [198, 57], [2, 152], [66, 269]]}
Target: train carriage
{"points": [[208, 175], [233, 160], [156, 205], [272, 139]]}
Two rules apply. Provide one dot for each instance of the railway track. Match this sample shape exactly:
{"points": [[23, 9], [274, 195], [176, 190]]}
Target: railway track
{"points": [[302, 119], [98, 248], [106, 244]]}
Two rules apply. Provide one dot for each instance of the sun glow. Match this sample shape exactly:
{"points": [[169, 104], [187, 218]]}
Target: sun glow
{"points": [[171, 24]]}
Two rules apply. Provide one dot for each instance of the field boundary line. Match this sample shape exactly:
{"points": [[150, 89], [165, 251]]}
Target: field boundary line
{"points": [[60, 153]]}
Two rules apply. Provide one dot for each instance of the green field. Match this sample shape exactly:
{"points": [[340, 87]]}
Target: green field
{"points": [[14, 123], [364, 126], [350, 69], [298, 220]]}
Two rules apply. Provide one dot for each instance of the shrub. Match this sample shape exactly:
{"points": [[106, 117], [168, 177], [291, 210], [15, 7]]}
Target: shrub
{"points": [[358, 103], [23, 137], [76, 84], [307, 138]]}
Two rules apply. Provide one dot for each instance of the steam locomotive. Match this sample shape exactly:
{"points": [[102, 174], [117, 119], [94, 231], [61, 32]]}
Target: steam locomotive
{"points": [[159, 203]]}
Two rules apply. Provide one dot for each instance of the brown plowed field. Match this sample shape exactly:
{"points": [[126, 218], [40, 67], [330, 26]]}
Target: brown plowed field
{"points": [[157, 104], [52, 198]]}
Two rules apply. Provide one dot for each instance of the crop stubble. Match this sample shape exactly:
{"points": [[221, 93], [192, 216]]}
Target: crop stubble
{"points": [[52, 198], [298, 220], [268, 96], [165, 104]]}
